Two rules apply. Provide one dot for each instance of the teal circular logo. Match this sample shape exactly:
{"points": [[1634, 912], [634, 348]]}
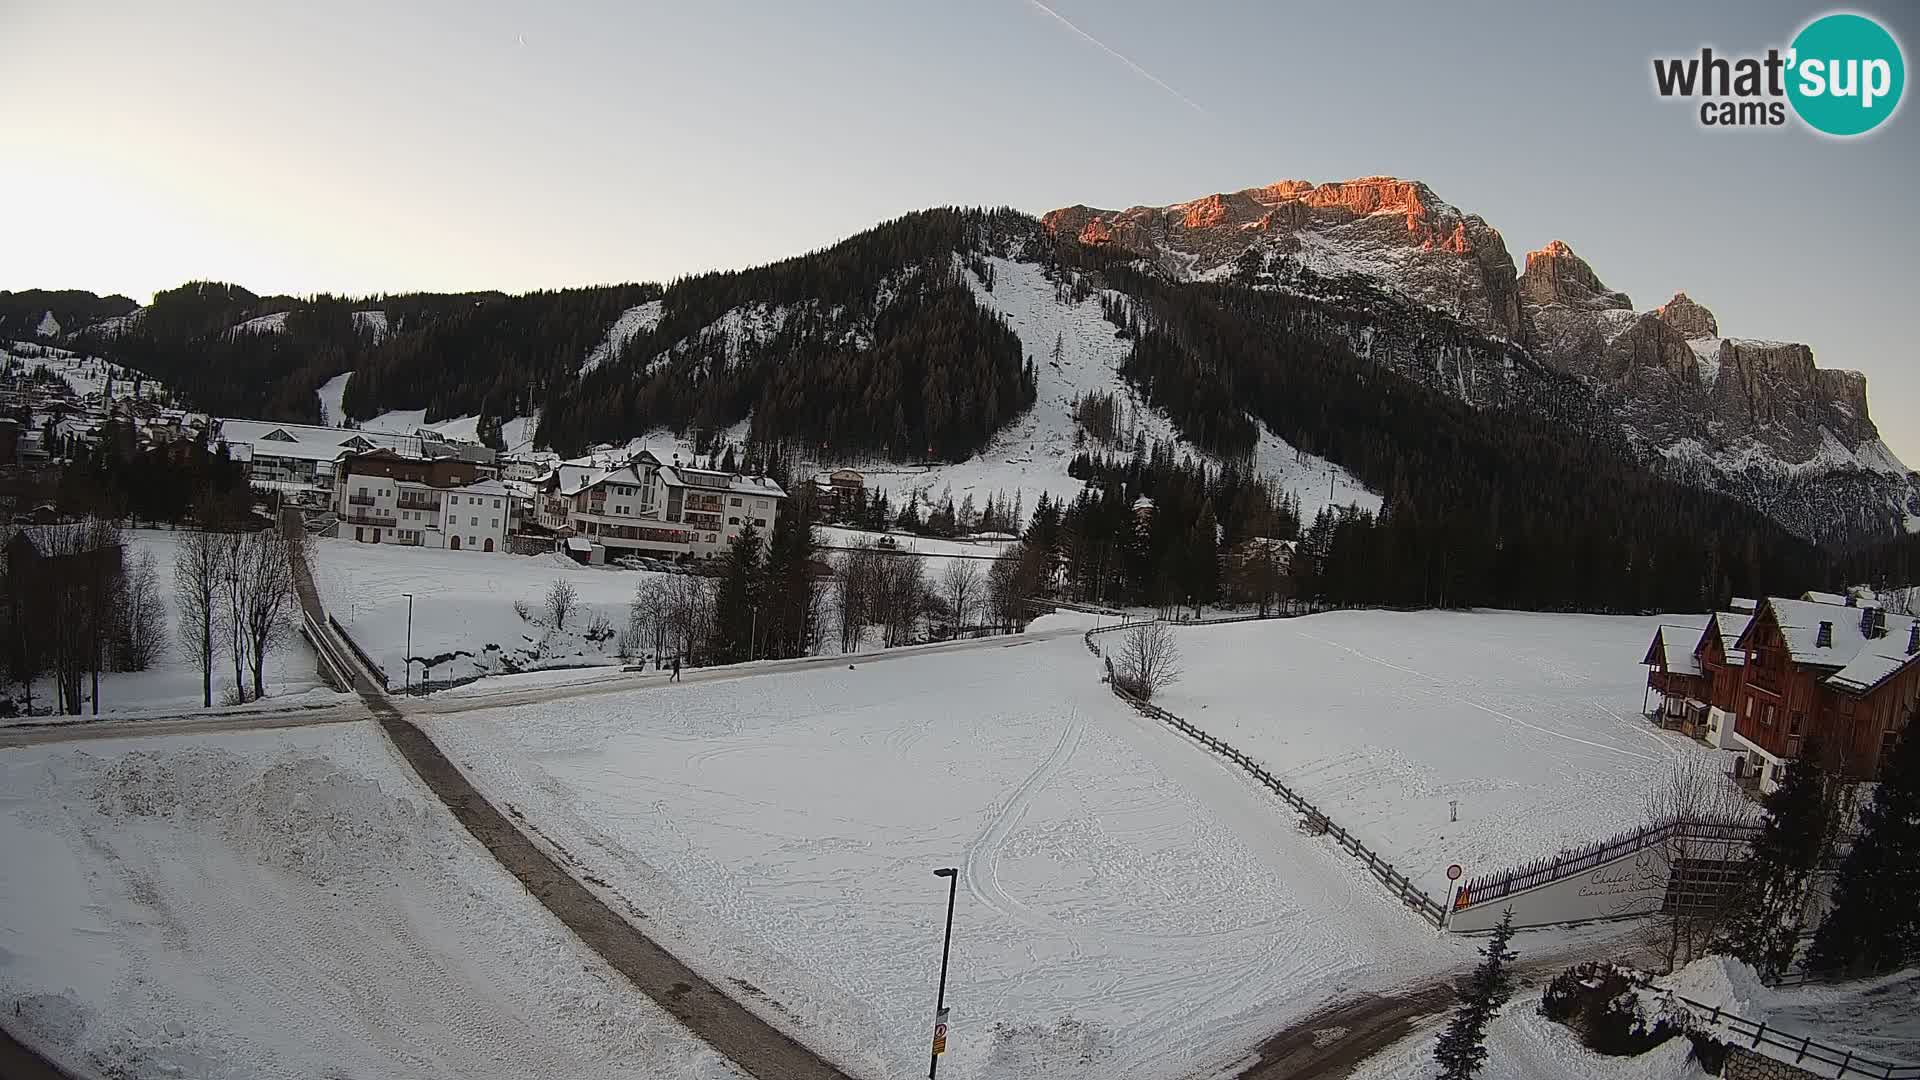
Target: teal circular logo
{"points": [[1847, 74]]}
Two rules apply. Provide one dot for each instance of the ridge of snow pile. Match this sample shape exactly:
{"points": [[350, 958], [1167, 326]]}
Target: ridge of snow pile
{"points": [[641, 319]]}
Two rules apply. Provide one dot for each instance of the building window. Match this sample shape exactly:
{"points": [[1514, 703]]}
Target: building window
{"points": [[736, 500], [472, 521], [1749, 708], [761, 522], [733, 521], [470, 541], [496, 504], [759, 504], [1794, 721], [496, 523], [1768, 718]]}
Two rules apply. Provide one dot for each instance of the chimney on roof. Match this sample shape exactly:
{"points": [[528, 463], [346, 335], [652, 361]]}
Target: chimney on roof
{"points": [[1824, 639], [1873, 623], [1913, 638], [1852, 600]]}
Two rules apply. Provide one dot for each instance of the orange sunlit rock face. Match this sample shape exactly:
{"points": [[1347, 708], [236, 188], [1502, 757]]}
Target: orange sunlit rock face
{"points": [[1096, 231], [1689, 318], [1205, 213]]}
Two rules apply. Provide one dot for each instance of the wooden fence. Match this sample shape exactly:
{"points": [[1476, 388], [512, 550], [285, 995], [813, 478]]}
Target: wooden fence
{"points": [[1488, 888], [1806, 1052], [1317, 822]]}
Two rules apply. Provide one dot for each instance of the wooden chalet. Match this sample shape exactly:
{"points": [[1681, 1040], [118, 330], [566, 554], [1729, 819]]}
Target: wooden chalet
{"points": [[1827, 667]]}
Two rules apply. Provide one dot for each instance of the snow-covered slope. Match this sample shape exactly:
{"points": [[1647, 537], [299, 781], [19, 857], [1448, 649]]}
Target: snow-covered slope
{"points": [[330, 392], [275, 323], [1031, 454], [87, 375], [374, 322], [634, 321]]}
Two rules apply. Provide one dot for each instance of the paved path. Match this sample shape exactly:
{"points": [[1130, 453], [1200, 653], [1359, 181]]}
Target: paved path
{"points": [[726, 1025]]}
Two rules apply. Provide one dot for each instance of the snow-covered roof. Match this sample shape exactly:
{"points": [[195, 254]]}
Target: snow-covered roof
{"points": [[1823, 597], [484, 487], [307, 442], [1731, 624], [1676, 644], [1742, 603], [1862, 662], [1876, 661], [579, 543], [710, 480]]}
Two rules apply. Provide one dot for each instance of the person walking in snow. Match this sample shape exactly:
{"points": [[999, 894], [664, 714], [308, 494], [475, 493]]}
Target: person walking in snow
{"points": [[676, 669]]}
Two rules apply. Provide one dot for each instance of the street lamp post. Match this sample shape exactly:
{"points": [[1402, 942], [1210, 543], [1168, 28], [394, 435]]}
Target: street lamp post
{"points": [[409, 656], [940, 1003]]}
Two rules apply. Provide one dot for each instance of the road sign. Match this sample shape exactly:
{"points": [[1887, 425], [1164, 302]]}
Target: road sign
{"points": [[1453, 872], [940, 1033]]}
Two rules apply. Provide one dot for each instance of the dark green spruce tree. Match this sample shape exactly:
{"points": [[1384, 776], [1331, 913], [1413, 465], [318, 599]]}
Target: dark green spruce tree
{"points": [[1874, 925], [1778, 876], [1462, 1048], [790, 590], [736, 608]]}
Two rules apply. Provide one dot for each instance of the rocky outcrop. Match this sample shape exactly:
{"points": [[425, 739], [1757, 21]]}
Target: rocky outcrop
{"points": [[1555, 275], [1394, 230], [1688, 318]]}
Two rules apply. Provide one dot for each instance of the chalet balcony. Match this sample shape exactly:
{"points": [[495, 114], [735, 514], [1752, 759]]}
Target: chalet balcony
{"points": [[416, 502], [360, 500], [362, 517]]}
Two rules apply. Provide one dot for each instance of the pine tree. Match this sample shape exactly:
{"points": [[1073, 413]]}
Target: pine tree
{"points": [[1462, 1050], [1874, 925], [789, 591], [1778, 875], [736, 608]]}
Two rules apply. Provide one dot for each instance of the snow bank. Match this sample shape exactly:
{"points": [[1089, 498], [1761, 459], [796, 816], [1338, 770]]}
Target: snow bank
{"points": [[1523, 1045], [290, 905]]}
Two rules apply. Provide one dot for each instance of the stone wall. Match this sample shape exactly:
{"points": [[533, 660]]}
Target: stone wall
{"points": [[1745, 1064]]}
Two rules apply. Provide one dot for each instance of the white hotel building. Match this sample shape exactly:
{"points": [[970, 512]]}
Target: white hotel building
{"points": [[653, 510]]}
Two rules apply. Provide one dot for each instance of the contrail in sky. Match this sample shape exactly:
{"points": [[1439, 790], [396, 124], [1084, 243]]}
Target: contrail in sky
{"points": [[1135, 68]]}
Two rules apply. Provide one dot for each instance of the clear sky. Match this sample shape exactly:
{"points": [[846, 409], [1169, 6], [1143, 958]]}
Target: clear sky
{"points": [[362, 147]]}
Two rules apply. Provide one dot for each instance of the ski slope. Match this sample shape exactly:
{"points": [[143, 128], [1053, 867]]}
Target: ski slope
{"points": [[1126, 906], [289, 906], [1530, 721], [1030, 455]]}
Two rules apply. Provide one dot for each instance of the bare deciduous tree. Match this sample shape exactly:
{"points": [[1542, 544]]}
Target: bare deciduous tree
{"points": [[1149, 660], [858, 574], [197, 571], [143, 622], [687, 610], [264, 568], [1695, 791], [562, 598], [960, 586]]}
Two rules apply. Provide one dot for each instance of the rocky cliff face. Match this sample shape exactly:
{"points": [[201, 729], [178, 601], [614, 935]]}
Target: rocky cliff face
{"points": [[1755, 418], [1394, 230]]}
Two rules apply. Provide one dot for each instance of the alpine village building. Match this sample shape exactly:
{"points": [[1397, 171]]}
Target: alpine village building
{"points": [[648, 509], [1785, 673]]}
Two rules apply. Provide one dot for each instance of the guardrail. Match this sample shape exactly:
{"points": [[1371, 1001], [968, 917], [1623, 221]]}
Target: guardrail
{"points": [[1755, 1034], [1317, 821], [332, 665], [366, 661]]}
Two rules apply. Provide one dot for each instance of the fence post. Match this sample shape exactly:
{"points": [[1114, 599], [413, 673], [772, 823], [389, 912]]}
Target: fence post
{"points": [[1759, 1031], [1804, 1040]]}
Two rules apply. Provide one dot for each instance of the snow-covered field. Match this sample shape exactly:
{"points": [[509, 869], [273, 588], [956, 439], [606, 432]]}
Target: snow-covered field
{"points": [[1523, 1045], [463, 603], [173, 684], [1531, 721], [295, 905], [1127, 906]]}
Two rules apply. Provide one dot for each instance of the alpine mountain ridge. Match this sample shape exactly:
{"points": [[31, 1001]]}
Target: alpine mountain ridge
{"points": [[1755, 419]]}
